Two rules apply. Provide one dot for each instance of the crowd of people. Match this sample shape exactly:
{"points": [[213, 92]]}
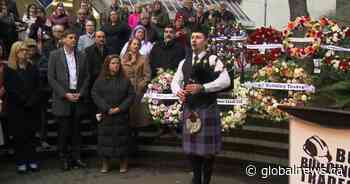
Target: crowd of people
{"points": [[88, 67]]}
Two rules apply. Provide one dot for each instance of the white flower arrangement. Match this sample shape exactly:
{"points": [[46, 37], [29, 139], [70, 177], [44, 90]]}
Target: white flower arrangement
{"points": [[236, 116], [164, 112]]}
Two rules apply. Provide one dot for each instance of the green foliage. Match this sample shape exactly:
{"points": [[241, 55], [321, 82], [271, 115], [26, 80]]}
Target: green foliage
{"points": [[333, 88]]}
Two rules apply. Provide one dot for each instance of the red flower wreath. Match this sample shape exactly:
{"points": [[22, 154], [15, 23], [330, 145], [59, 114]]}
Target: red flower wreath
{"points": [[264, 36]]}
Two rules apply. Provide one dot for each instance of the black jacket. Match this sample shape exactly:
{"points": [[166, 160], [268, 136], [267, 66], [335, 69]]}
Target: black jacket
{"points": [[113, 131], [166, 56], [78, 28], [49, 46], [116, 92], [39, 24], [116, 36], [95, 60], [152, 33], [23, 97]]}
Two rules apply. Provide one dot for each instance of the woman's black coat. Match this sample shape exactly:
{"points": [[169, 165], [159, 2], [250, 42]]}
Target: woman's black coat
{"points": [[113, 130]]}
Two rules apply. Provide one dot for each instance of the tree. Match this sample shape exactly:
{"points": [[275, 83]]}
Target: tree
{"points": [[297, 8]]}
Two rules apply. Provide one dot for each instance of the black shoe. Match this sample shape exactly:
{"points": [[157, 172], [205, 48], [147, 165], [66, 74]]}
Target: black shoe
{"points": [[66, 165], [79, 164]]}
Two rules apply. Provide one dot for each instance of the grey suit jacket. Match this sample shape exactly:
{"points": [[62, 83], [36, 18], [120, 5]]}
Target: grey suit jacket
{"points": [[58, 78]]}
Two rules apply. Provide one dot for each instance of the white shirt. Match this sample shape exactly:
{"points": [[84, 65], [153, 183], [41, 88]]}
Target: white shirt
{"points": [[145, 49], [220, 83], [72, 68]]}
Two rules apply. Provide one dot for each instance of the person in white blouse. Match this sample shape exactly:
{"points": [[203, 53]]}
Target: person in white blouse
{"points": [[140, 33], [197, 81]]}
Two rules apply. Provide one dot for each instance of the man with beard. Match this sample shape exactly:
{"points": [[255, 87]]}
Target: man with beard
{"points": [[198, 79], [167, 53]]}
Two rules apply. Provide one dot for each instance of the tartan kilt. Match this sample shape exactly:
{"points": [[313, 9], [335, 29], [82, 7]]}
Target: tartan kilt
{"points": [[208, 140]]}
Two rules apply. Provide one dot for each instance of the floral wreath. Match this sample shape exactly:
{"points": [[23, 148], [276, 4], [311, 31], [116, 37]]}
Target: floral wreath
{"points": [[313, 32], [264, 102], [163, 112], [335, 36], [332, 32], [264, 36], [236, 116]]}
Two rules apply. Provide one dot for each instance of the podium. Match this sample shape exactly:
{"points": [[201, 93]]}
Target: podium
{"points": [[319, 145]]}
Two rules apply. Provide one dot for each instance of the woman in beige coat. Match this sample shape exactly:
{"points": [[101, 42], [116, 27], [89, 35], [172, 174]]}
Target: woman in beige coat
{"points": [[137, 69]]}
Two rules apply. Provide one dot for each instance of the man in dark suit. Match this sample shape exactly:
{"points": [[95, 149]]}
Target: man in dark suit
{"points": [[96, 54], [69, 78], [167, 53]]}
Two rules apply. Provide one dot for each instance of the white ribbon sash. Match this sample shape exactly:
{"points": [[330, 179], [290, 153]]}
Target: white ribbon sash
{"points": [[220, 101], [301, 40], [335, 48], [265, 46], [227, 101], [280, 86], [232, 38]]}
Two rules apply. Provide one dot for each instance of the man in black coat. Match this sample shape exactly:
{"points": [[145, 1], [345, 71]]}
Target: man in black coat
{"points": [[117, 33], [167, 53], [152, 34], [96, 54], [69, 78], [225, 16], [53, 43], [79, 25]]}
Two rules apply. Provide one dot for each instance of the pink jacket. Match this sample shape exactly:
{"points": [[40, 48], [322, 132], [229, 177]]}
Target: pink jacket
{"points": [[133, 20]]}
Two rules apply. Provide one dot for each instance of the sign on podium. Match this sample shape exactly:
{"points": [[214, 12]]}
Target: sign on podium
{"points": [[319, 146]]}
